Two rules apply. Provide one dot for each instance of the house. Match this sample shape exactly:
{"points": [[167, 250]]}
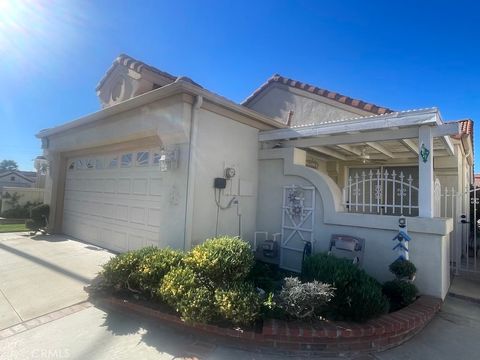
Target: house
{"points": [[26, 185], [166, 162], [17, 178]]}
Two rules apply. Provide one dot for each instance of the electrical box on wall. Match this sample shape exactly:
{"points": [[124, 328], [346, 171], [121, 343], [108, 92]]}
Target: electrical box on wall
{"points": [[231, 173], [219, 183]]}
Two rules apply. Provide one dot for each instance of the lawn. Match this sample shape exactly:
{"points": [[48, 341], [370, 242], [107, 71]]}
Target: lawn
{"points": [[4, 228]]}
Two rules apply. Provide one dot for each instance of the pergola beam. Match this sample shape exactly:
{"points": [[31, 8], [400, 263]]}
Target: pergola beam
{"points": [[329, 152], [381, 149], [350, 149], [363, 137], [410, 145], [373, 123]]}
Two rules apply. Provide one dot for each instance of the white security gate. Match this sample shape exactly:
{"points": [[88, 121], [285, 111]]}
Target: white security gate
{"points": [[298, 220], [115, 200], [464, 208]]}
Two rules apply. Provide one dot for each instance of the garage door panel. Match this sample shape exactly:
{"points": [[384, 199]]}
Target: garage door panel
{"points": [[119, 208]]}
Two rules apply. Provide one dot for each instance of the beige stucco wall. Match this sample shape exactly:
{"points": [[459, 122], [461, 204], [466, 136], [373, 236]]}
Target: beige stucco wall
{"points": [[429, 247], [219, 141], [223, 142], [278, 100]]}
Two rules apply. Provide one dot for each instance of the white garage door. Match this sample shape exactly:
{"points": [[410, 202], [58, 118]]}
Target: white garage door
{"points": [[114, 200]]}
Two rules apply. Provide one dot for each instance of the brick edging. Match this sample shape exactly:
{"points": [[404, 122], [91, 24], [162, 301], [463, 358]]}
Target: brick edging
{"points": [[331, 337]]}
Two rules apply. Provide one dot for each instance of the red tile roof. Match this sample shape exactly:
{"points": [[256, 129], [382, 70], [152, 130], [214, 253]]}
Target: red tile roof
{"points": [[359, 104], [466, 128], [135, 65]]}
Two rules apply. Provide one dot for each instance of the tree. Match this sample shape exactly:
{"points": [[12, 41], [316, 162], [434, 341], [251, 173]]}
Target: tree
{"points": [[8, 165]]}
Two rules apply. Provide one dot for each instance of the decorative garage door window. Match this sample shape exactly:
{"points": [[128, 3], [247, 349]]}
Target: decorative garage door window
{"points": [[142, 158], [385, 190], [298, 221]]}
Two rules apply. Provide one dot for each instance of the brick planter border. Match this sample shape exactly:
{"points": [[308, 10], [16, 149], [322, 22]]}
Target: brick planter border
{"points": [[332, 337]]}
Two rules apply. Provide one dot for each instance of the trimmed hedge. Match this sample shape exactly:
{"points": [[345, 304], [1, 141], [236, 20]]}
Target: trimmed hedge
{"points": [[182, 290], [153, 266], [400, 293], [402, 268], [211, 284], [119, 273], [358, 296], [221, 261], [239, 303]]}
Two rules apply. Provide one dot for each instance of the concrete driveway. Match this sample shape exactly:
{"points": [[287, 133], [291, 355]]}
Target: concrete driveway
{"points": [[42, 278], [43, 274]]}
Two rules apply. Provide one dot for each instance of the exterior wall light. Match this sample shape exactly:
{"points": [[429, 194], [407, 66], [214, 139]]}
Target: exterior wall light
{"points": [[168, 159], [41, 165]]}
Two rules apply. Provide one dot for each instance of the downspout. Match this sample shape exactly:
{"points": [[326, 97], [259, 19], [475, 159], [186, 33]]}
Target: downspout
{"points": [[197, 104]]}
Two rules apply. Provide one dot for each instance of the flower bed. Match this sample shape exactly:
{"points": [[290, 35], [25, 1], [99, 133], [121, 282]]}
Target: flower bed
{"points": [[330, 338]]}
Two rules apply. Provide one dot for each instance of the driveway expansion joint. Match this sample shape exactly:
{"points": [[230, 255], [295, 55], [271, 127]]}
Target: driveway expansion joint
{"points": [[43, 319]]}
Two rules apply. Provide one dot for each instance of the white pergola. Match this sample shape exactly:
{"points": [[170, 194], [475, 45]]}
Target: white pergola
{"points": [[398, 135]]}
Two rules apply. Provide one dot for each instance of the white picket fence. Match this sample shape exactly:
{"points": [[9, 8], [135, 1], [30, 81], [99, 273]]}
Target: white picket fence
{"points": [[385, 193]]}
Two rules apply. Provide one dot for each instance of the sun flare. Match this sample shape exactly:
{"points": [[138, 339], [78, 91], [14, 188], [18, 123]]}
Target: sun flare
{"points": [[35, 31]]}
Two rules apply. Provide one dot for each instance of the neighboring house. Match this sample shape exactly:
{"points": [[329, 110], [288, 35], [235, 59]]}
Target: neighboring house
{"points": [[17, 178], [25, 184], [291, 159]]}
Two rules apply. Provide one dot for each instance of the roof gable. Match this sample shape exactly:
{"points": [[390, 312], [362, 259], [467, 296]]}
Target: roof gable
{"points": [[127, 78], [19, 174], [343, 99]]}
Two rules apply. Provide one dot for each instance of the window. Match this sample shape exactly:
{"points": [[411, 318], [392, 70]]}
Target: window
{"points": [[143, 158], [80, 164], [126, 160], [156, 157], [99, 163], [12, 178], [112, 162], [90, 164]]}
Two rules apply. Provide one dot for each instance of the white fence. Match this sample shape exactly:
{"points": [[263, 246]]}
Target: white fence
{"points": [[385, 193], [24, 195]]}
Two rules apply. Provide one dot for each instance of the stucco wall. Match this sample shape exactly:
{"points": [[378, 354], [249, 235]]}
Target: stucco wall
{"points": [[279, 100], [429, 247], [162, 123], [224, 142]]}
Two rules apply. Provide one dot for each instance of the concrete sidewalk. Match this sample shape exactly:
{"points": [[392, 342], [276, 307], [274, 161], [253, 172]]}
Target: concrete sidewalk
{"points": [[43, 274], [98, 335]]}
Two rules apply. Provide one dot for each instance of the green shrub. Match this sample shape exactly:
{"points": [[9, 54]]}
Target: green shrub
{"points": [[16, 213], [400, 293], [120, 272], [221, 261], [357, 297], [402, 268], [304, 300], [239, 304], [153, 266], [182, 289], [268, 277], [38, 217]]}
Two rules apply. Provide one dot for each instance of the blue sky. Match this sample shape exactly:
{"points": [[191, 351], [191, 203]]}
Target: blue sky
{"points": [[402, 55]]}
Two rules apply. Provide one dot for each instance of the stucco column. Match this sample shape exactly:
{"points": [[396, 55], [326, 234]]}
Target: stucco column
{"points": [[425, 171], [54, 187]]}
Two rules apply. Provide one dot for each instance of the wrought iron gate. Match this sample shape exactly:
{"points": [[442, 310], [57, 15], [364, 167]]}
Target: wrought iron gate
{"points": [[464, 208]]}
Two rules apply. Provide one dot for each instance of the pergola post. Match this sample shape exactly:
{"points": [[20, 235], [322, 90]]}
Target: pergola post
{"points": [[425, 171]]}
